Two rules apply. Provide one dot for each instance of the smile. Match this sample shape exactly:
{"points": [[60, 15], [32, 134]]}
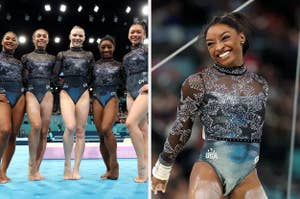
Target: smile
{"points": [[224, 55]]}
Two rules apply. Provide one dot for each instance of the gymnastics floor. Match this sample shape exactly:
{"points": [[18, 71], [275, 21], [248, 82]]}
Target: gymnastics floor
{"points": [[54, 187]]}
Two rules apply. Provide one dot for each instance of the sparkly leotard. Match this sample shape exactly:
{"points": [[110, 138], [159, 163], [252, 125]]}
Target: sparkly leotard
{"points": [[231, 104], [107, 79], [135, 64], [11, 81], [39, 66], [76, 65]]}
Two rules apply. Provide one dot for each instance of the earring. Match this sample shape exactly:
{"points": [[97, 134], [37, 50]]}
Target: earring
{"points": [[242, 43]]}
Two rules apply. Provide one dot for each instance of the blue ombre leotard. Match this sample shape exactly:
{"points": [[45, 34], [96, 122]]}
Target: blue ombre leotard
{"points": [[11, 81], [135, 64], [231, 105], [76, 65], [38, 66], [107, 79]]}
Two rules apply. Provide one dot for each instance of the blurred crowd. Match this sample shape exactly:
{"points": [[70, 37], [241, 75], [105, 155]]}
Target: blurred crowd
{"points": [[273, 54]]}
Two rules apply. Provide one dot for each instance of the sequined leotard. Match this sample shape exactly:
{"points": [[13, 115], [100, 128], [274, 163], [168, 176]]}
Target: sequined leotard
{"points": [[76, 65], [11, 81], [135, 64], [39, 66], [107, 79], [231, 104]]}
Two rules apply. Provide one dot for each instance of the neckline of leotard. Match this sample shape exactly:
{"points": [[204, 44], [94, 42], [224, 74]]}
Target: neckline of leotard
{"points": [[6, 54], [40, 51], [136, 46], [107, 59], [76, 48], [232, 70]]}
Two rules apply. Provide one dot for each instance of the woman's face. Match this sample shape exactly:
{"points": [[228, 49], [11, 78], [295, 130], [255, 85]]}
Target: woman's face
{"points": [[224, 45], [106, 49], [9, 42], [77, 37], [136, 34], [40, 39]]}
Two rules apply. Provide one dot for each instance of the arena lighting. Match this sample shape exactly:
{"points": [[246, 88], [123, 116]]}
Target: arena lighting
{"points": [[91, 40], [8, 17], [56, 40], [116, 19], [79, 9], [22, 39], [39, 18], [145, 10], [103, 19], [98, 40], [59, 18], [146, 41], [63, 8], [128, 9], [27, 17], [47, 8], [96, 8], [91, 18]]}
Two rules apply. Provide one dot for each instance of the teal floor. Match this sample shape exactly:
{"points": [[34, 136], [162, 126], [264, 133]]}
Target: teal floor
{"points": [[89, 187]]}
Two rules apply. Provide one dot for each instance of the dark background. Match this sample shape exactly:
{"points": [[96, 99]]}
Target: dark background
{"points": [[39, 18]]}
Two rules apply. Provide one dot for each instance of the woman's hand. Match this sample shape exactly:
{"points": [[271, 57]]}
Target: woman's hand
{"points": [[144, 88], [3, 98], [158, 185]]}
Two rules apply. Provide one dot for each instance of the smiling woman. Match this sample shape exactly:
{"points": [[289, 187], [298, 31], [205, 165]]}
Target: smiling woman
{"points": [[12, 101], [230, 102]]}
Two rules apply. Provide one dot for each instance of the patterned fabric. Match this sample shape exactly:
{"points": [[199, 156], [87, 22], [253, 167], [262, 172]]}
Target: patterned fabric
{"points": [[11, 69], [229, 102], [38, 66], [76, 66], [11, 80], [107, 75], [135, 64]]}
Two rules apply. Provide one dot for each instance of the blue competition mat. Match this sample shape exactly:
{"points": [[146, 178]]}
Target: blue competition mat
{"points": [[90, 186]]}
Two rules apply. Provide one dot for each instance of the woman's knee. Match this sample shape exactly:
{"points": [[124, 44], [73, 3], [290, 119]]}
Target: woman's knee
{"points": [[70, 128], [6, 130], [36, 125], [131, 124], [80, 132]]}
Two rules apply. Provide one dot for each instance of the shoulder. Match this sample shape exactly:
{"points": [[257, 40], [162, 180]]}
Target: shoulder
{"points": [[258, 78], [193, 85], [50, 56], [117, 63]]}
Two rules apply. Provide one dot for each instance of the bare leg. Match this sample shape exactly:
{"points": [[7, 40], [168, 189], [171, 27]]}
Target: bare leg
{"points": [[68, 113], [5, 132], [204, 182], [144, 128], [34, 116], [249, 188], [46, 112], [82, 111], [137, 113], [17, 118], [98, 117], [110, 114]]}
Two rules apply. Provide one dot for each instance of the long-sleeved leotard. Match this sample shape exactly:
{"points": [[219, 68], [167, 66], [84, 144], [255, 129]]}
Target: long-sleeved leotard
{"points": [[135, 64], [76, 65], [38, 67], [231, 104], [107, 79], [11, 77]]}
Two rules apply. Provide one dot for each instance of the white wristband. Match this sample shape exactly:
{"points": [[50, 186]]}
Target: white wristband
{"points": [[161, 171]]}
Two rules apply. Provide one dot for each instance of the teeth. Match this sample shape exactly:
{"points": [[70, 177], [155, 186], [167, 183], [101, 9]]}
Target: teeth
{"points": [[223, 55]]}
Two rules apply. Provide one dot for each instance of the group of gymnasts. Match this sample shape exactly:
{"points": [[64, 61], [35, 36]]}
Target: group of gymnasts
{"points": [[25, 86]]}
